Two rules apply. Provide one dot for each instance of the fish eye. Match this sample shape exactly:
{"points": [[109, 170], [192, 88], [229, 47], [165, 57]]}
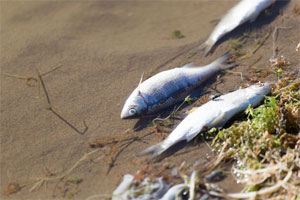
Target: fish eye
{"points": [[184, 194], [132, 111]]}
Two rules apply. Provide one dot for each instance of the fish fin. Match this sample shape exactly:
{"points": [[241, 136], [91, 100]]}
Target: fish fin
{"points": [[206, 46], [218, 121], [188, 65], [221, 62], [156, 150], [141, 80]]}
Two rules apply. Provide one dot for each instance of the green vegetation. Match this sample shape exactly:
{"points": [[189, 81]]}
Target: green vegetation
{"points": [[177, 35], [168, 121], [234, 46], [267, 145]]}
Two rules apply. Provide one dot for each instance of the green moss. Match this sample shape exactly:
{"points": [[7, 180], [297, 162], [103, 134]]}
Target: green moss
{"points": [[265, 117], [176, 34], [267, 137], [234, 46]]}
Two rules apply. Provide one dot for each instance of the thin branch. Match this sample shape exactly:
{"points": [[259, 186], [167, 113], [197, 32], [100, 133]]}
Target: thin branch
{"points": [[44, 87], [29, 78], [40, 181], [50, 107], [274, 36], [260, 43]]}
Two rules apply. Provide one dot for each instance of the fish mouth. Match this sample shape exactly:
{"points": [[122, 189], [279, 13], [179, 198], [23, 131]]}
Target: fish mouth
{"points": [[126, 116]]}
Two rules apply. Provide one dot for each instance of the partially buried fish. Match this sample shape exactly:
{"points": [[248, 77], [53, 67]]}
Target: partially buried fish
{"points": [[169, 87], [214, 113], [245, 10]]}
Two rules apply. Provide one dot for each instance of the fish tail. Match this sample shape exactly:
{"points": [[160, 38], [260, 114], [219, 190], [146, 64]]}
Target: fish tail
{"points": [[156, 150], [206, 46], [221, 62]]}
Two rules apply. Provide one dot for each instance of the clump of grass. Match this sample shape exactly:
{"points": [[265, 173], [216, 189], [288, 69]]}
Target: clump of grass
{"points": [[176, 34], [260, 42], [266, 146], [266, 117], [234, 46], [68, 188]]}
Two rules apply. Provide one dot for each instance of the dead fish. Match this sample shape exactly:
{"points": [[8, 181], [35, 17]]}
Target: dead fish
{"points": [[214, 113], [169, 87], [183, 191], [174, 192], [245, 10], [122, 190], [149, 188]]}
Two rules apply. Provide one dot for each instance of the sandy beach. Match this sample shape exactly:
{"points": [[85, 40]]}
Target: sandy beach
{"points": [[95, 53]]}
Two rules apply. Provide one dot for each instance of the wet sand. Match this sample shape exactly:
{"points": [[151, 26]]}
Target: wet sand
{"points": [[103, 48]]}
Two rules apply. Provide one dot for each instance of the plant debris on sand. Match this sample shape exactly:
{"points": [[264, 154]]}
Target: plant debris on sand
{"points": [[267, 145]]}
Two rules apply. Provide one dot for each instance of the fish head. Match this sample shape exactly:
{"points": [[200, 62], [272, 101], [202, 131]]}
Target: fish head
{"points": [[262, 88], [134, 106]]}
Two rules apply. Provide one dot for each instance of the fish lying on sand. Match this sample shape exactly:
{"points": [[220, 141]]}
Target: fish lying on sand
{"points": [[173, 192], [214, 113], [245, 10], [169, 87], [155, 188], [149, 188]]}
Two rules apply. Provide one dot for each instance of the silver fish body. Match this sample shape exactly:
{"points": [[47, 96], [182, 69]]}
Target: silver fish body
{"points": [[149, 188], [173, 192], [169, 87], [121, 192], [245, 10], [214, 113]]}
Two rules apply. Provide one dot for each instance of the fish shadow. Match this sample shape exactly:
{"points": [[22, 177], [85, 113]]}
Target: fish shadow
{"points": [[198, 140], [265, 17]]}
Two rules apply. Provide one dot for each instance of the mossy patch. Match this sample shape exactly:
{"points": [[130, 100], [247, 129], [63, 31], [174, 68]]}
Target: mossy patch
{"points": [[176, 34], [266, 145]]}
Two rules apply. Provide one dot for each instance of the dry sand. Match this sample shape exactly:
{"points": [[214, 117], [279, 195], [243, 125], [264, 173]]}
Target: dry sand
{"points": [[103, 48]]}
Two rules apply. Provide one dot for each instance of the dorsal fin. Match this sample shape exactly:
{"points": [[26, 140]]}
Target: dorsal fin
{"points": [[141, 80], [188, 65]]}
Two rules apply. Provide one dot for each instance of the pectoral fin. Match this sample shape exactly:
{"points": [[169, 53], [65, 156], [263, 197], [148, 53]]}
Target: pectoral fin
{"points": [[219, 121]]}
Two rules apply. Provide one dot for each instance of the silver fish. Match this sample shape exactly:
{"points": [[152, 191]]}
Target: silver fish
{"points": [[173, 192], [169, 87], [149, 188], [214, 113], [121, 192], [184, 190], [245, 10]]}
